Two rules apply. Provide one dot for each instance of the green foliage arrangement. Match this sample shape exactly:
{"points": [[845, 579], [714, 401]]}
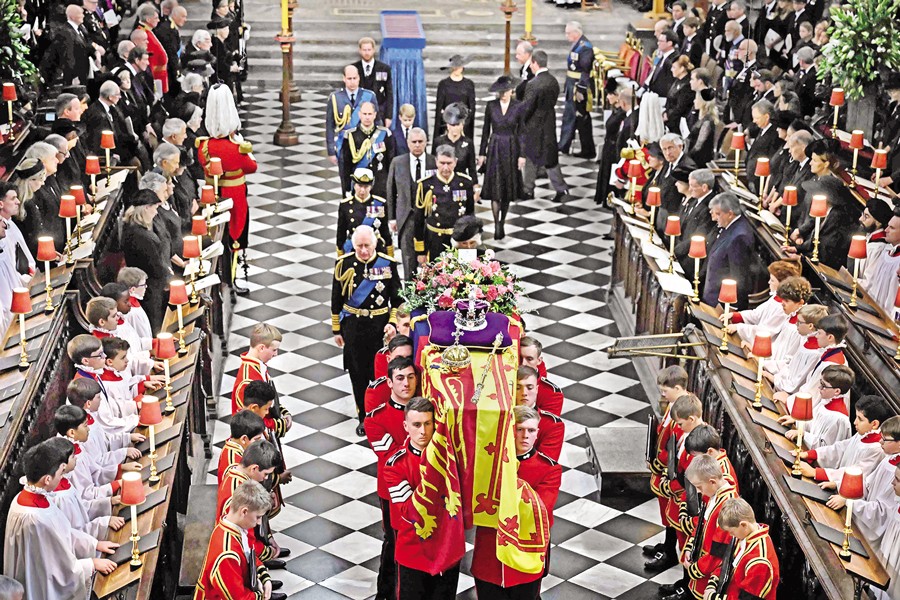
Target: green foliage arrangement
{"points": [[14, 62]]}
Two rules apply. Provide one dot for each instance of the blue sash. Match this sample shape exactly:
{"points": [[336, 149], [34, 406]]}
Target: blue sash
{"points": [[368, 220], [362, 95], [364, 289]]}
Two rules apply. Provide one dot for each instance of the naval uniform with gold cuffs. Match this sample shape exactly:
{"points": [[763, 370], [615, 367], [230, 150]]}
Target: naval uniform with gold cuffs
{"points": [[372, 149], [354, 212], [438, 205], [364, 299]]}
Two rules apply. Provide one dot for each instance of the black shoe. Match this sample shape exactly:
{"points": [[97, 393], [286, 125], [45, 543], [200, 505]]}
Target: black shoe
{"points": [[526, 196], [561, 196], [667, 589], [277, 585], [239, 289], [586, 155], [360, 430], [278, 596], [499, 232], [284, 552], [274, 563], [649, 551], [660, 562]]}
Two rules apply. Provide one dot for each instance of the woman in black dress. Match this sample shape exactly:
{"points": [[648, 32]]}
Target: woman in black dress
{"points": [[455, 117], [681, 96], [701, 142], [609, 154], [451, 90], [501, 151]]}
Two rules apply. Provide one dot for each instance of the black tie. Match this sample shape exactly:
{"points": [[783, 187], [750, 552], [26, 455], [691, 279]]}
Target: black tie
{"points": [[353, 100], [418, 169], [368, 70], [406, 135]]}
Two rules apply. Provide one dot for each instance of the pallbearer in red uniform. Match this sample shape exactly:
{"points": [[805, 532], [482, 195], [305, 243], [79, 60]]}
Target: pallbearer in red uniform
{"points": [[402, 475], [754, 571], [551, 430], [705, 550], [232, 571], [222, 122], [246, 427], [550, 397], [399, 345], [386, 433], [493, 579], [672, 384]]}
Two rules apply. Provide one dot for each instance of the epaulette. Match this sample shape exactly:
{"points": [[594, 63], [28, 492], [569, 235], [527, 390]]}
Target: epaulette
{"points": [[552, 385], [547, 458], [245, 147], [463, 175], [377, 382], [387, 256], [200, 140], [381, 198], [350, 130], [343, 256], [555, 418], [383, 128], [396, 456], [347, 198], [372, 412]]}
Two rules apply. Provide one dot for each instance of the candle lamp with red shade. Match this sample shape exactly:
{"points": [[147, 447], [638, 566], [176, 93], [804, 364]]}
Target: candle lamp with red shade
{"points": [[92, 168], [727, 297], [857, 142], [635, 170], [653, 200], [21, 305], [879, 162], [133, 494], [857, 253], [789, 199], [208, 201], [68, 211], [214, 170], [818, 209], [697, 251], [46, 252], [762, 349], [165, 351], [851, 489], [108, 143], [178, 297], [763, 172], [738, 143], [801, 412], [191, 250], [673, 230], [77, 192], [9, 96], [150, 416], [837, 101]]}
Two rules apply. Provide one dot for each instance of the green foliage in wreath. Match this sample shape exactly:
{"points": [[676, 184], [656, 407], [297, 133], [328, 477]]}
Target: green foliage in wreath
{"points": [[14, 52]]}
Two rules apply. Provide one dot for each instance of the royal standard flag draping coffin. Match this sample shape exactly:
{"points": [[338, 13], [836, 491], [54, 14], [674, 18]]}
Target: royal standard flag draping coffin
{"points": [[469, 469]]}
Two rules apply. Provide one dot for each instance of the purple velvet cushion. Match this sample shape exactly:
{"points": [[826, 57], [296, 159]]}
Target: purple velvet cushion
{"points": [[441, 328]]}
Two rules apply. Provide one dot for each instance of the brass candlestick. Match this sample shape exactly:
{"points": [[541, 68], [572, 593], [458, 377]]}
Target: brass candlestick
{"points": [[796, 471]]}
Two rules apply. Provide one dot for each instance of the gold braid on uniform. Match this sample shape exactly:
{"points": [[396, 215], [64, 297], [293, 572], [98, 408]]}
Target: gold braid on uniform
{"points": [[340, 120], [345, 277], [357, 155], [424, 202]]}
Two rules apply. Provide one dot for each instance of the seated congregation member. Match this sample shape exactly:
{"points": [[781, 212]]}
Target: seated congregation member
{"points": [[494, 579], [756, 569], [729, 252], [872, 512], [705, 550], [231, 568], [672, 384], [796, 352], [402, 476], [550, 397], [136, 281], [246, 427], [863, 450], [143, 249], [881, 271], [769, 316], [41, 549], [399, 345], [551, 429], [831, 417], [386, 431]]}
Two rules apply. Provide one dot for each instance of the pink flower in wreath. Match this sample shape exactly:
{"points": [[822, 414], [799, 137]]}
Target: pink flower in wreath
{"points": [[502, 289], [445, 300], [420, 286], [456, 274], [485, 270], [492, 293]]}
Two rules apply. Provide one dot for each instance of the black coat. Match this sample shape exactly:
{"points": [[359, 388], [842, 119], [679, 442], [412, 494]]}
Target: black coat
{"points": [[695, 220], [679, 103], [47, 200], [694, 48], [765, 22], [806, 91], [834, 237], [539, 120], [68, 57], [729, 255], [379, 81], [661, 79], [714, 26], [766, 145], [141, 248], [670, 197], [449, 92]]}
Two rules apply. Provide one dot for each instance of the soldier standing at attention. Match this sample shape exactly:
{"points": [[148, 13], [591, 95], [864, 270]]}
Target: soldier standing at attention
{"points": [[441, 199], [364, 301], [577, 113]]}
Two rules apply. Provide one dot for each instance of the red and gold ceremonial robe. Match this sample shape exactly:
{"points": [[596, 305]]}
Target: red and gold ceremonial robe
{"points": [[227, 571]]}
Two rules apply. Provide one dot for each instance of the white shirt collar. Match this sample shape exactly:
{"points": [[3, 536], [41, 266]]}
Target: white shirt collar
{"points": [[733, 221], [541, 70]]}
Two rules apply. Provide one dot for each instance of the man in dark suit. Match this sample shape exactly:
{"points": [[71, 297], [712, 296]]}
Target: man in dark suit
{"points": [[661, 78], [105, 115], [69, 57], [672, 146], [679, 14], [729, 250], [695, 214], [765, 144], [714, 26], [768, 20], [628, 103], [376, 76], [740, 92], [806, 81], [737, 11], [523, 55], [692, 45], [539, 123], [403, 178], [792, 22]]}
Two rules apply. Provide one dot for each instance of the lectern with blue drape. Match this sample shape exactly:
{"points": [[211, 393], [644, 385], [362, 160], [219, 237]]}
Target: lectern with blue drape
{"points": [[402, 41]]}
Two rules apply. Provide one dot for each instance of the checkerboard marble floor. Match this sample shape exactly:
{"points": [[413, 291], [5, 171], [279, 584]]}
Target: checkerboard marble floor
{"points": [[332, 521]]}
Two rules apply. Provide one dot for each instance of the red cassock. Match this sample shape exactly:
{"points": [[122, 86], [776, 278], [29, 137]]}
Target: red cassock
{"points": [[232, 452], [756, 570], [377, 393], [713, 541], [384, 430], [381, 364], [551, 434], [159, 60], [226, 571], [549, 396], [544, 475], [237, 162]]}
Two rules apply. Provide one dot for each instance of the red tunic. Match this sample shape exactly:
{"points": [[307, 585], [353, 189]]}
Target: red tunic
{"points": [[231, 479], [252, 369], [226, 571], [677, 497], [232, 452], [377, 393], [381, 363], [544, 475], [713, 542], [549, 396], [159, 60], [237, 162], [384, 430], [402, 475], [756, 571], [659, 465], [551, 434]]}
